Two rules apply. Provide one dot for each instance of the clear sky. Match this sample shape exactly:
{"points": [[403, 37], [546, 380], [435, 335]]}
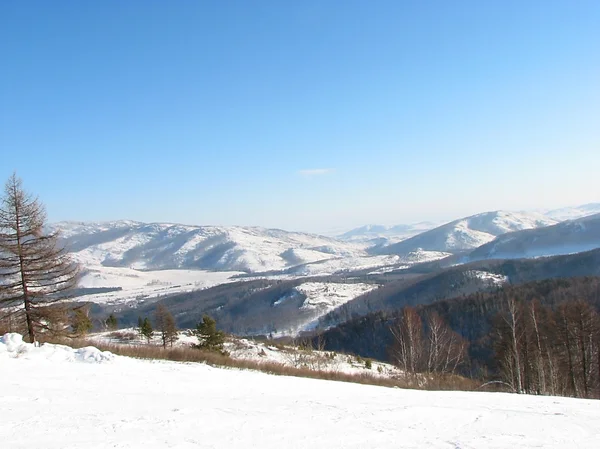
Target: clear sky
{"points": [[304, 115]]}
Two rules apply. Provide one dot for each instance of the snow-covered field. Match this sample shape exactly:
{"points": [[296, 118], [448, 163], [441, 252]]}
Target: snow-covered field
{"points": [[139, 286], [57, 398]]}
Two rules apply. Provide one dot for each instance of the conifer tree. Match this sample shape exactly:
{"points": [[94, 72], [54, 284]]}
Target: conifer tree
{"points": [[111, 322], [209, 338], [35, 271], [82, 324], [146, 329]]}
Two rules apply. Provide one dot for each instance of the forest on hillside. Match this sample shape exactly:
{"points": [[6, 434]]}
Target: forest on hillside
{"points": [[541, 337]]}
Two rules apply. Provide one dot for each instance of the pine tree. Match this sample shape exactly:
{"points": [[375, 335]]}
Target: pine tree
{"points": [[146, 329], [111, 322], [140, 324], [35, 272], [209, 338], [82, 324]]}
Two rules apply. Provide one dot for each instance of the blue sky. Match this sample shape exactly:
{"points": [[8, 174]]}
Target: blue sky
{"points": [[307, 115]]}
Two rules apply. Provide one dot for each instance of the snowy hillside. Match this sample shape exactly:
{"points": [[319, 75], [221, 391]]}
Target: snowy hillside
{"points": [[567, 237], [470, 232], [172, 246], [572, 213], [320, 298], [58, 398]]}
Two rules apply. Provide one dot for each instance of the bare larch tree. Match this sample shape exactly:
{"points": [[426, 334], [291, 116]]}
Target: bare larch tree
{"points": [[35, 271]]}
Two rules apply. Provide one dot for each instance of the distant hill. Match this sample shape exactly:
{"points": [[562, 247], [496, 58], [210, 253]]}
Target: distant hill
{"points": [[470, 232], [567, 237]]}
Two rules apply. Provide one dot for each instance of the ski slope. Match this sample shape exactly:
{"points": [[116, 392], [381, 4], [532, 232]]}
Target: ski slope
{"points": [[54, 400]]}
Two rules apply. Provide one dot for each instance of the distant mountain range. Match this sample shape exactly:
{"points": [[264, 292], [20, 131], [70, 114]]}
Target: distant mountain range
{"points": [[173, 246], [384, 235], [379, 234], [159, 246]]}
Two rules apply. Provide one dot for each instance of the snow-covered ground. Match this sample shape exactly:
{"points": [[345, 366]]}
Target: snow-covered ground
{"points": [[54, 399], [348, 264], [139, 286], [492, 278]]}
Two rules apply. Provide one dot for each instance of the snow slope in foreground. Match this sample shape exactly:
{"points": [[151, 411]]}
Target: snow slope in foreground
{"points": [[53, 401]]}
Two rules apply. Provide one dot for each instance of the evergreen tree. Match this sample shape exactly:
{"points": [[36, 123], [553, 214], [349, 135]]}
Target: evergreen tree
{"points": [[209, 338], [111, 322], [82, 324], [146, 329], [140, 324]]}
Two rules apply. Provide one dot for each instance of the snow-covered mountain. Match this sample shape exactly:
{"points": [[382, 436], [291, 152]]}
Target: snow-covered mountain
{"points": [[470, 232], [572, 213], [173, 246], [568, 237], [379, 234]]}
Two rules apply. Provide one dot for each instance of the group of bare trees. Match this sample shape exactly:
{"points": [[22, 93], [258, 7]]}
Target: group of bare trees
{"points": [[426, 345], [35, 271], [541, 350]]}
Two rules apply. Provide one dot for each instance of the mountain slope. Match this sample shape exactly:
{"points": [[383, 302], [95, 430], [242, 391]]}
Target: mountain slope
{"points": [[563, 238], [470, 232], [173, 246]]}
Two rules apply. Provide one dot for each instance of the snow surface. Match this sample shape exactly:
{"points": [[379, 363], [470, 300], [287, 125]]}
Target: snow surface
{"points": [[53, 400], [139, 286], [492, 278]]}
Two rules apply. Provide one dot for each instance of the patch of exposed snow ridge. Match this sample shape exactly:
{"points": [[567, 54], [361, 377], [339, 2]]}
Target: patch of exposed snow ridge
{"points": [[13, 346], [492, 278]]}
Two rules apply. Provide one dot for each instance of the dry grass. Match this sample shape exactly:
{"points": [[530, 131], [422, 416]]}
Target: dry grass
{"points": [[187, 354]]}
